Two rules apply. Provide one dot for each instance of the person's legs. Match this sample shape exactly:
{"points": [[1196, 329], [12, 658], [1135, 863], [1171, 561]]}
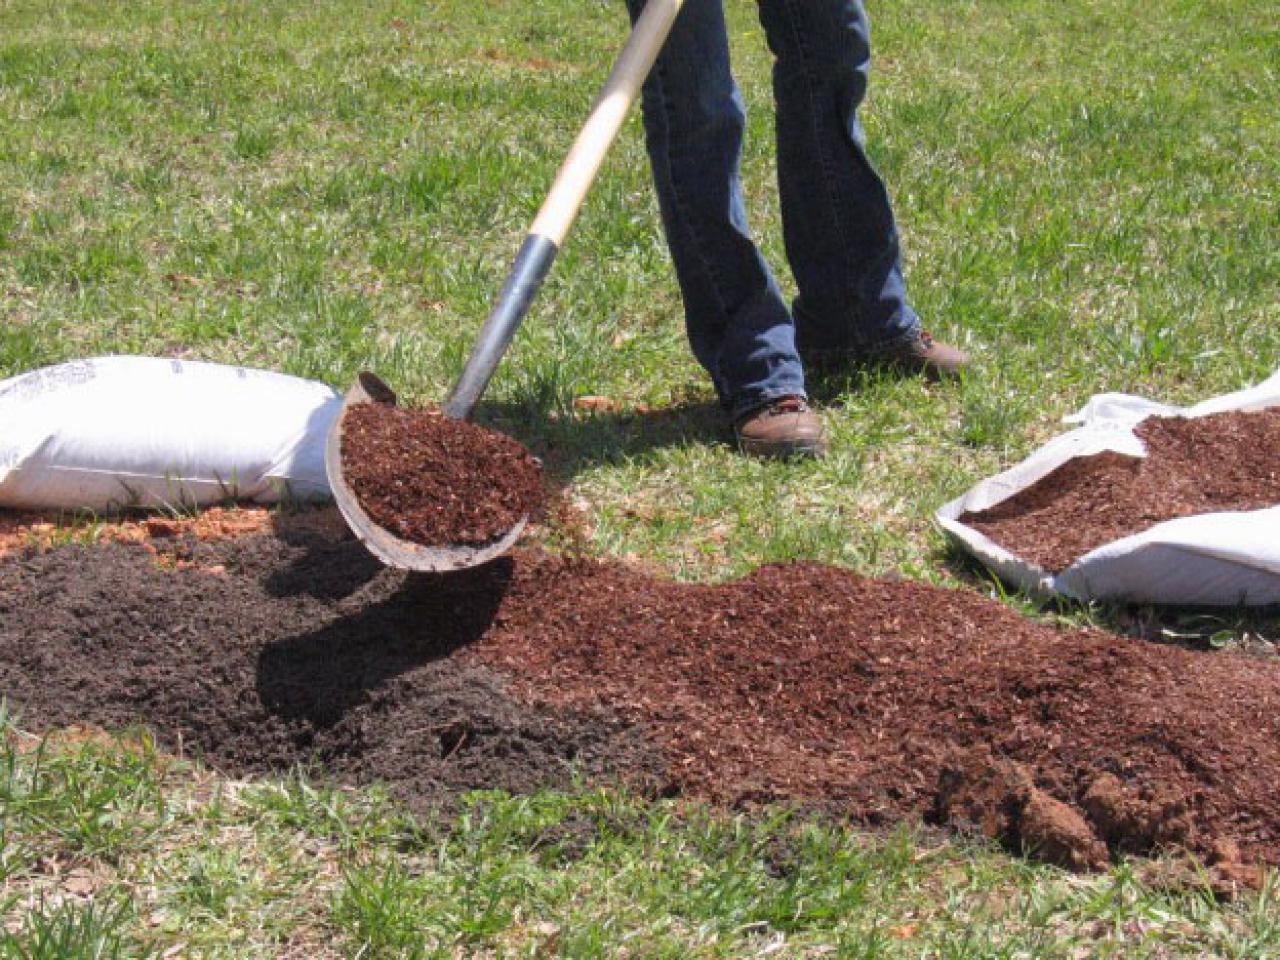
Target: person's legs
{"points": [[738, 322], [837, 220]]}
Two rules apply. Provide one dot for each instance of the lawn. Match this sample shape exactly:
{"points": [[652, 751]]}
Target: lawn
{"points": [[1087, 191]]}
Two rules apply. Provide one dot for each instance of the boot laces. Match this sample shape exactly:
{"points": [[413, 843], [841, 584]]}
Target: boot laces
{"points": [[787, 405]]}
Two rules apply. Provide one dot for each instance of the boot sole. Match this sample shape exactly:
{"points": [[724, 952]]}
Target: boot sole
{"points": [[783, 449]]}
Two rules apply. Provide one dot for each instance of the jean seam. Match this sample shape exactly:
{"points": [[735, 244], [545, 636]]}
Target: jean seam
{"points": [[682, 208], [824, 160]]}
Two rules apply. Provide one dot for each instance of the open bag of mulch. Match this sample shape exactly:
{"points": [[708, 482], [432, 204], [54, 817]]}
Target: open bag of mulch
{"points": [[1142, 503], [114, 432]]}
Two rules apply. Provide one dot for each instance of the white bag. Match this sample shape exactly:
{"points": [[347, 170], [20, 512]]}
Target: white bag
{"points": [[138, 431], [1214, 558]]}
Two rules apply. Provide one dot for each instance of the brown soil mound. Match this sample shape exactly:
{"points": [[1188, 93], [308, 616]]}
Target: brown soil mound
{"points": [[434, 480], [1228, 461], [874, 700], [260, 655]]}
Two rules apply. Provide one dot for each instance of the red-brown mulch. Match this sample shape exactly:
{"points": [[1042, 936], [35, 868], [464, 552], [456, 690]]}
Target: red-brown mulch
{"points": [[434, 480], [887, 700], [875, 700], [1223, 462]]}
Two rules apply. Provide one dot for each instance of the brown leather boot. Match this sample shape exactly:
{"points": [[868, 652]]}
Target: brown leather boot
{"points": [[783, 428], [925, 355]]}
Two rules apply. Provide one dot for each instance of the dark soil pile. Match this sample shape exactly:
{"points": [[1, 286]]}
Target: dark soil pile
{"points": [[434, 480], [1228, 461], [871, 699], [261, 655]]}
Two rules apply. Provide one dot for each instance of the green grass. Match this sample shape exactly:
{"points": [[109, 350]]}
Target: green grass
{"points": [[1087, 195], [213, 868], [326, 187]]}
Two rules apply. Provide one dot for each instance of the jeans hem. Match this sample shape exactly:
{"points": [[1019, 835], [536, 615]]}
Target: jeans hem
{"points": [[745, 404], [889, 344]]}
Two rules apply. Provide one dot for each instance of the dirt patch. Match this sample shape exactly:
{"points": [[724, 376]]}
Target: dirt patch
{"points": [[1228, 461], [42, 529], [434, 480], [874, 700], [260, 655]]}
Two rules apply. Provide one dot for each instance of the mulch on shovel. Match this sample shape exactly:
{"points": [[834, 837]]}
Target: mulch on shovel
{"points": [[874, 700], [434, 480], [1222, 462]]}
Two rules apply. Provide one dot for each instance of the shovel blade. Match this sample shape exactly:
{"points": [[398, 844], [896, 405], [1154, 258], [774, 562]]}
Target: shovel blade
{"points": [[386, 546]]}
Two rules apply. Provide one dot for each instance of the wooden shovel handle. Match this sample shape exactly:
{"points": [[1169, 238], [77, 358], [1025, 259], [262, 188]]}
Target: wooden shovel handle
{"points": [[620, 91], [560, 209]]}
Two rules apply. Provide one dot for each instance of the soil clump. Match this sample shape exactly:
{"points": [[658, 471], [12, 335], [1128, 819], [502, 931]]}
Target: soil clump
{"points": [[1222, 462], [876, 701], [434, 480]]}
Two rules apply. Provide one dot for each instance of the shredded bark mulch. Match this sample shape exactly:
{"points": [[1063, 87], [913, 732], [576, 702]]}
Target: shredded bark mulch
{"points": [[1222, 462], [434, 480], [874, 700], [886, 700]]}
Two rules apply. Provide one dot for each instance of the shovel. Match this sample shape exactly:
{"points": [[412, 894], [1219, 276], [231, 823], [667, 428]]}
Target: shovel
{"points": [[530, 269]]}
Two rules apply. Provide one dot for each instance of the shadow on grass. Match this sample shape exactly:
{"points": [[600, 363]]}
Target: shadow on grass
{"points": [[831, 385], [571, 440], [577, 440], [1249, 630]]}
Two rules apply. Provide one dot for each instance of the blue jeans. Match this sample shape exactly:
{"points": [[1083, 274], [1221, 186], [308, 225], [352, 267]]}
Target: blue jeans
{"points": [[838, 224]]}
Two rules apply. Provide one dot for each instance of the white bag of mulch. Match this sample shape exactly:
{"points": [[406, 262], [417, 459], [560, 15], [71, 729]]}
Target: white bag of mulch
{"points": [[139, 431], [1213, 558]]}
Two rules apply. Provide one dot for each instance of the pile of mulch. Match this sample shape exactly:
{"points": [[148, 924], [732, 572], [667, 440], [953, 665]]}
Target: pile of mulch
{"points": [[883, 700], [874, 700], [1222, 462], [434, 480]]}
